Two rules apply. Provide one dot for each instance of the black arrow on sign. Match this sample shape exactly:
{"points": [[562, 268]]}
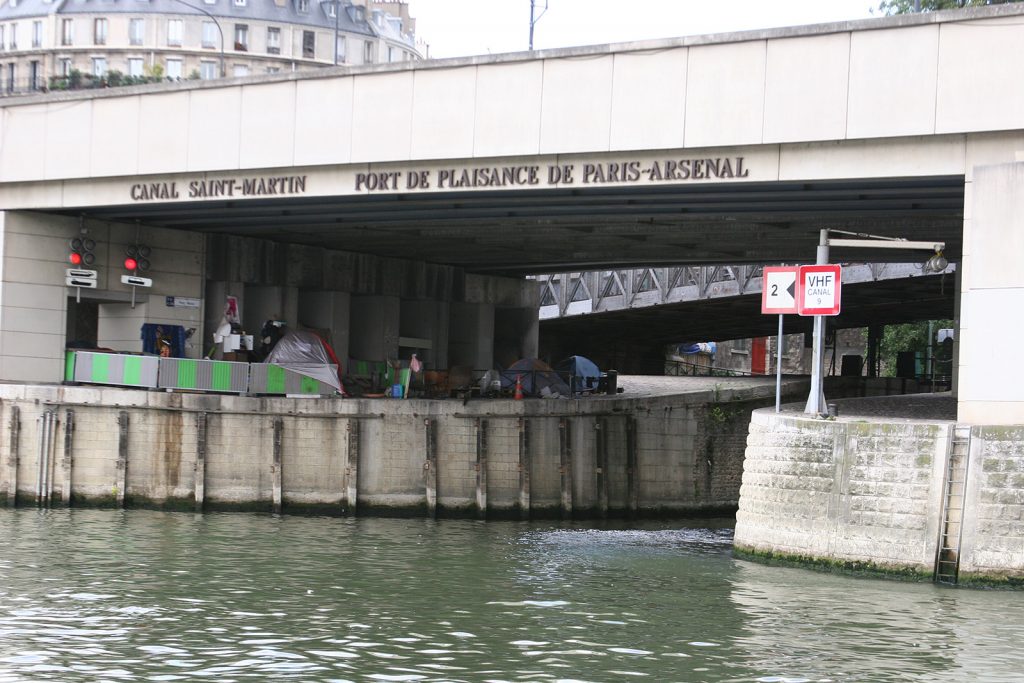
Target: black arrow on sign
{"points": [[792, 289]]}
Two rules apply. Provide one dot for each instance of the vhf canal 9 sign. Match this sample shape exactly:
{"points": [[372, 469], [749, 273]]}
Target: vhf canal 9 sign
{"points": [[805, 290]]}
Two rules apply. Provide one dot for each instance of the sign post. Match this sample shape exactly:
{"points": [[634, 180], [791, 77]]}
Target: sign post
{"points": [[818, 295], [778, 295]]}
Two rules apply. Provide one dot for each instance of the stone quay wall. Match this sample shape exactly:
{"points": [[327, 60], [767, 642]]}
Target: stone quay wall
{"points": [[588, 458], [869, 494]]}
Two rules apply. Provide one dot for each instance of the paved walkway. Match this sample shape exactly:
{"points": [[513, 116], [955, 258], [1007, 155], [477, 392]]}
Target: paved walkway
{"points": [[938, 406]]}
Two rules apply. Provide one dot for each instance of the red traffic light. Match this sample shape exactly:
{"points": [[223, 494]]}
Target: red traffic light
{"points": [[130, 263], [75, 258]]}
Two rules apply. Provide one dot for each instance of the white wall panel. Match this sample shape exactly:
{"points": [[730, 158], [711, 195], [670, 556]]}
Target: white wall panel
{"points": [[508, 103], [382, 117], [443, 113], [805, 88], [648, 100], [327, 136], [892, 82], [115, 136], [213, 129], [164, 133], [68, 139], [268, 125], [979, 86], [576, 106], [725, 94]]}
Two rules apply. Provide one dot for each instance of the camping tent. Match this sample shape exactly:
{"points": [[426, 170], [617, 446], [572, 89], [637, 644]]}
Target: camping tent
{"points": [[309, 355], [535, 375], [582, 374]]}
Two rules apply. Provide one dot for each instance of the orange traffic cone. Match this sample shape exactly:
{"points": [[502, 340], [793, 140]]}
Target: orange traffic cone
{"points": [[519, 388]]}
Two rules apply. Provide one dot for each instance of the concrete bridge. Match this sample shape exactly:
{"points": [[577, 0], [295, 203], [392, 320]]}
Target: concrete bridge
{"points": [[398, 207]]}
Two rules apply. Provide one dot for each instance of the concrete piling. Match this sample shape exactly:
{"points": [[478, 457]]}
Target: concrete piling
{"points": [[199, 485], [121, 480], [481, 468], [430, 468], [632, 473], [351, 483], [67, 462], [601, 465], [275, 469], [12, 457], [565, 465], [524, 468]]}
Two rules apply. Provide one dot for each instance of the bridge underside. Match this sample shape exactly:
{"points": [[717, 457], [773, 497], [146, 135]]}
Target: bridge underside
{"points": [[650, 328], [521, 232]]}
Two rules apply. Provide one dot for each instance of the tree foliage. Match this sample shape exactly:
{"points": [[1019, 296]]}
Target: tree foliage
{"points": [[907, 6], [914, 337]]}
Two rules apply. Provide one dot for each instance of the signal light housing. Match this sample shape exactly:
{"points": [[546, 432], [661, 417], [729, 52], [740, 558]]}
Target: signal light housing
{"points": [[81, 251], [137, 258]]}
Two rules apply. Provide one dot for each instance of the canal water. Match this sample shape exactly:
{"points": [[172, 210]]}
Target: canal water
{"points": [[92, 595]]}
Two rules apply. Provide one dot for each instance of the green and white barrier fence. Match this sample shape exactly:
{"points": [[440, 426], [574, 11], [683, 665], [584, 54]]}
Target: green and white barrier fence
{"points": [[152, 372]]}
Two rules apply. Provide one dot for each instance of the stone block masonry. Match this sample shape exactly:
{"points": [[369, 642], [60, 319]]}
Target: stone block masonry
{"points": [[201, 451], [869, 495]]}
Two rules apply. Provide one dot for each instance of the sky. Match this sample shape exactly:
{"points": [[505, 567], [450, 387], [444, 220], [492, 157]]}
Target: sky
{"points": [[457, 28]]}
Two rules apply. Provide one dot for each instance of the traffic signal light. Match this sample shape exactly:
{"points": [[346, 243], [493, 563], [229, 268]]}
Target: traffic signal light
{"points": [[136, 258], [81, 251]]}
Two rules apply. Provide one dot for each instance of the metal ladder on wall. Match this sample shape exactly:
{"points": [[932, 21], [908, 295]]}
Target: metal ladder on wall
{"points": [[947, 557]]}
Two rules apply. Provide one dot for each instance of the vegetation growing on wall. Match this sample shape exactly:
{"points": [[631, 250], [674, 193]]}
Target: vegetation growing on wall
{"points": [[907, 6]]}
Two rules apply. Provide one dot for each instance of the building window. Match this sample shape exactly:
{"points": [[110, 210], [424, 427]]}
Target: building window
{"points": [[175, 31], [65, 67], [174, 69], [367, 52], [210, 34], [340, 47], [99, 31], [273, 69], [308, 44], [11, 73], [99, 66], [135, 66], [2, 37], [136, 29], [33, 75], [302, 5], [242, 37], [391, 54], [241, 70], [332, 9], [208, 70], [239, 3], [67, 32], [37, 34]]}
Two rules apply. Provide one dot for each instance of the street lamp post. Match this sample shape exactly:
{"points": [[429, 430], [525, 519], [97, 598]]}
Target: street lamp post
{"points": [[219, 30]]}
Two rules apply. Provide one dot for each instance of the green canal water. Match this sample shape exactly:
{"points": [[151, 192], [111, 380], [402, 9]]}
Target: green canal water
{"points": [[92, 595]]}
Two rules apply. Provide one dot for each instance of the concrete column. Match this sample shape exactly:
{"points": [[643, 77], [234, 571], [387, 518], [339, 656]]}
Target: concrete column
{"points": [[471, 335], [426, 321], [516, 333], [217, 293], [269, 303], [374, 327], [328, 311], [990, 386]]}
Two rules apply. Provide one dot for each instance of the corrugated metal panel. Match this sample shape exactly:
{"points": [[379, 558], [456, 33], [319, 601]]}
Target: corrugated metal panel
{"points": [[116, 368]]}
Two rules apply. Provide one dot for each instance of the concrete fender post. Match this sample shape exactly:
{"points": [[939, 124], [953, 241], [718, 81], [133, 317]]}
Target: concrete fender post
{"points": [[565, 465], [524, 468], [632, 474], [67, 462], [199, 481], [12, 457], [122, 458], [430, 469], [352, 466], [275, 469], [481, 468], [601, 466]]}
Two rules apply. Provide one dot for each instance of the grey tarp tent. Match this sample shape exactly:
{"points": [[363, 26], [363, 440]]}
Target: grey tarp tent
{"points": [[306, 354]]}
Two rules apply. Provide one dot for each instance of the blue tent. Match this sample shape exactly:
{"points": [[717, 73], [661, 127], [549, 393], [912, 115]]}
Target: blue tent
{"points": [[582, 374]]}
